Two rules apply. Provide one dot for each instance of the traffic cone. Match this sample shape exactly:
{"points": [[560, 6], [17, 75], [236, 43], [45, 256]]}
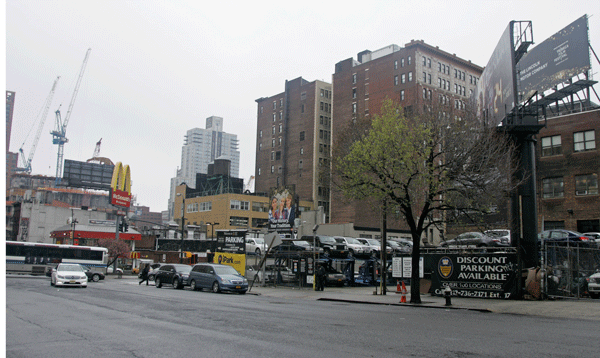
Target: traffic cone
{"points": [[398, 289], [403, 298]]}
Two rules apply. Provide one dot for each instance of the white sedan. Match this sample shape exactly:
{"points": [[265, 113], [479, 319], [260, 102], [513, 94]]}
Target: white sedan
{"points": [[68, 275]]}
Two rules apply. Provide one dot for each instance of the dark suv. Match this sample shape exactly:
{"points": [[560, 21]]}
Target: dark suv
{"points": [[330, 246], [172, 274]]}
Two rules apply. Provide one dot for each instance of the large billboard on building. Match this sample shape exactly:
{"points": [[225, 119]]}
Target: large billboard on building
{"points": [[496, 87], [556, 60], [87, 175], [282, 209]]}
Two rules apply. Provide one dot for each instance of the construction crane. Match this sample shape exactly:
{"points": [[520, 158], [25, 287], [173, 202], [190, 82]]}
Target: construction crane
{"points": [[97, 150], [59, 134], [248, 185], [27, 163]]}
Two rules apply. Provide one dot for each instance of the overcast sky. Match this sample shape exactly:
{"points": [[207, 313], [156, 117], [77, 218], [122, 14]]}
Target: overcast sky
{"points": [[160, 68]]}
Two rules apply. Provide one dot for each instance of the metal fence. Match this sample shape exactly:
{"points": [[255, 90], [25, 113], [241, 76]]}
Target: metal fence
{"points": [[567, 267]]}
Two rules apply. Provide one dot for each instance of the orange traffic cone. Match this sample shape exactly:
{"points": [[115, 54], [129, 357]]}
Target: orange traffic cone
{"points": [[398, 289], [403, 298]]}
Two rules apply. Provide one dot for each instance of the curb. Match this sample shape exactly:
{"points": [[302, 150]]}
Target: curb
{"points": [[483, 310]]}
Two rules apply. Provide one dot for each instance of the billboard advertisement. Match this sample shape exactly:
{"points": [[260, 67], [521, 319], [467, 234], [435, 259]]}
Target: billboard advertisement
{"points": [[559, 58], [232, 241], [282, 209], [87, 175], [496, 88], [476, 275]]}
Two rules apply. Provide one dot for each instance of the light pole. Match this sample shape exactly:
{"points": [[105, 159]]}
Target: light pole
{"points": [[182, 227], [212, 225]]}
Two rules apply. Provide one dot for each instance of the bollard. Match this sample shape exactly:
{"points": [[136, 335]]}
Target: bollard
{"points": [[448, 296]]}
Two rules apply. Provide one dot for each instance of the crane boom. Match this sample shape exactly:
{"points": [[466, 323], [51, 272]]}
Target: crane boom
{"points": [[59, 134], [27, 164]]}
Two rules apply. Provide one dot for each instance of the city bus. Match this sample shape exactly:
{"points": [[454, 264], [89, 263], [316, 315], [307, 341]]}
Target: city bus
{"points": [[36, 258]]}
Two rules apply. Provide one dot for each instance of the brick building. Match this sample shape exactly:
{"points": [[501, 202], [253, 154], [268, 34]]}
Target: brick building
{"points": [[293, 140], [417, 76], [568, 166]]}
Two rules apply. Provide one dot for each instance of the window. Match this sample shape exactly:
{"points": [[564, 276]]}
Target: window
{"points": [[429, 62], [301, 150], [280, 128], [281, 102], [274, 117], [280, 141], [354, 78], [272, 169], [258, 171], [553, 187], [238, 221], [424, 61], [260, 207], [302, 136], [272, 143], [274, 104], [354, 93], [409, 60], [584, 141], [439, 67], [403, 78], [300, 164], [424, 77], [259, 146], [321, 133], [551, 146], [402, 95], [239, 205], [410, 76], [260, 134], [396, 80], [273, 130], [278, 155], [353, 108], [302, 108], [272, 155], [402, 62], [280, 115], [586, 184], [322, 92], [396, 65]]}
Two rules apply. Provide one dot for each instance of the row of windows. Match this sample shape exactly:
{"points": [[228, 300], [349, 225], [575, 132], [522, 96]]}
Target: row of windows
{"points": [[325, 93], [239, 205], [409, 61], [326, 121], [403, 78], [582, 141], [326, 107], [586, 184], [199, 207]]}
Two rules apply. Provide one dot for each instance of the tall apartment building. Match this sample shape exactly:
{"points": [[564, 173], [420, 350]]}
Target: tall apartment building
{"points": [[200, 148], [418, 76], [294, 139]]}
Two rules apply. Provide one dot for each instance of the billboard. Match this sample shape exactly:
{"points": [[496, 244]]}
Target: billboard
{"points": [[556, 60], [282, 209], [492, 275], [87, 175], [496, 88], [232, 241]]}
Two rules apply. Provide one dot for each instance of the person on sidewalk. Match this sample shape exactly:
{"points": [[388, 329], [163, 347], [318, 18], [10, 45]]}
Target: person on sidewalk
{"points": [[144, 274], [321, 278]]}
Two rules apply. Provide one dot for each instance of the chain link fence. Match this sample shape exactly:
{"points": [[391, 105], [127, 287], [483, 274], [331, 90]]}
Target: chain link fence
{"points": [[567, 267]]}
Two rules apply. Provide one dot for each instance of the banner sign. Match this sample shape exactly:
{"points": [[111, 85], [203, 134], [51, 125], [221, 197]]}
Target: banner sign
{"points": [[282, 209], [231, 241], [475, 275], [237, 261], [402, 267]]}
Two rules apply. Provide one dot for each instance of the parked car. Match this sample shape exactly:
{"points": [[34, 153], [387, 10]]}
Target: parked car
{"points": [[93, 275], [308, 246], [288, 247], [110, 269], [502, 234], [593, 283], [374, 245], [172, 274], [405, 243], [68, 275], [330, 246], [334, 277], [561, 236], [473, 239], [256, 245], [355, 247], [217, 277], [153, 269], [397, 248], [594, 236]]}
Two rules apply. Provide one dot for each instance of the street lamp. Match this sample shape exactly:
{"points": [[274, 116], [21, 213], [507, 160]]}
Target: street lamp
{"points": [[212, 225], [182, 227]]}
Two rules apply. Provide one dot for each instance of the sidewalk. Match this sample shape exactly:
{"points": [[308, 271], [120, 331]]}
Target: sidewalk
{"points": [[559, 308]]}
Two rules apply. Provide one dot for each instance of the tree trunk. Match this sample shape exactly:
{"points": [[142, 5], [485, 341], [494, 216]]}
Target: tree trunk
{"points": [[415, 281]]}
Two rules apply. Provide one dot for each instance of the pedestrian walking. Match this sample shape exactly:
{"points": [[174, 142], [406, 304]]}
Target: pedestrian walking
{"points": [[321, 278], [144, 274]]}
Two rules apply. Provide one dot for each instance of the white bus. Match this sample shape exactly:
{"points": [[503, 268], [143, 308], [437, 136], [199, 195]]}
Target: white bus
{"points": [[33, 257]]}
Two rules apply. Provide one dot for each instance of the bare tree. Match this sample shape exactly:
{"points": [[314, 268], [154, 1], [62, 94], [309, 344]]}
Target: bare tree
{"points": [[424, 167]]}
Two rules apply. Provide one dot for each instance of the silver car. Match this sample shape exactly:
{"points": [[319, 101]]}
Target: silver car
{"points": [[69, 275]]}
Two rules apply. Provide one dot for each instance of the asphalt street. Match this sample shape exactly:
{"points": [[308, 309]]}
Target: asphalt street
{"points": [[119, 318]]}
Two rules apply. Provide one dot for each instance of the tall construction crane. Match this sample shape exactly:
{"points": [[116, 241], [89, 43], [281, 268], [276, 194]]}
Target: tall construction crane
{"points": [[59, 134], [97, 150], [27, 163]]}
